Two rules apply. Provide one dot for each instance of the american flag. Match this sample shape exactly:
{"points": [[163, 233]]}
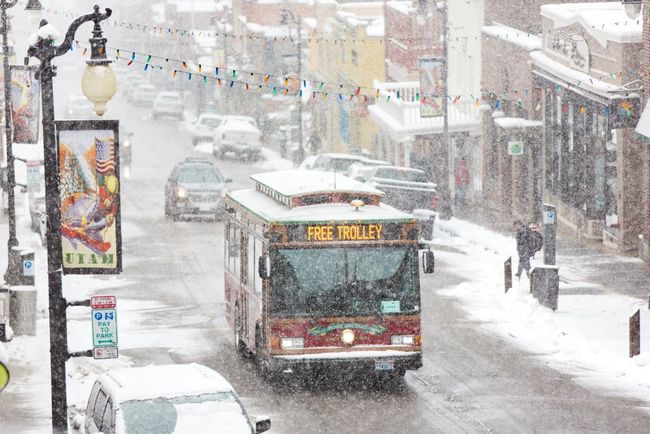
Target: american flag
{"points": [[104, 156]]}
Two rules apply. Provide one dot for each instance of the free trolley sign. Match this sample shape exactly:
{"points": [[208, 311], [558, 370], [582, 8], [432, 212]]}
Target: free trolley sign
{"points": [[104, 327]]}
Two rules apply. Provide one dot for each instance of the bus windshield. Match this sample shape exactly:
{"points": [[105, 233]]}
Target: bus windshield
{"points": [[344, 281]]}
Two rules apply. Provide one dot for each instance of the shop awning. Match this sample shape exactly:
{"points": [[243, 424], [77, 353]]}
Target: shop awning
{"points": [[643, 127]]}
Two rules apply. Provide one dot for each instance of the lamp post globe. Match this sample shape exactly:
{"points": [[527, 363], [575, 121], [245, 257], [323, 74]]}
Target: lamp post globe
{"points": [[34, 10], [98, 84]]}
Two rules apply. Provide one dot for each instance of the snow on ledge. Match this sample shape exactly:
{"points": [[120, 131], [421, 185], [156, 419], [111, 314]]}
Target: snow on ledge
{"points": [[508, 123], [517, 37]]}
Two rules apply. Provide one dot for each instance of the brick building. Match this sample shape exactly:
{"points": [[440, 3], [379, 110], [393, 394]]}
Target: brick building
{"points": [[643, 135]]}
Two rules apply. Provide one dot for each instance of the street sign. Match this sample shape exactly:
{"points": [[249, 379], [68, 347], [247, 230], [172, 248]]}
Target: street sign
{"points": [[105, 353], [28, 267], [549, 217], [104, 327], [515, 147], [103, 301], [33, 176]]}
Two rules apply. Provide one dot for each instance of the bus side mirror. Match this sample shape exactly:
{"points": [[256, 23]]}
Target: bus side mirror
{"points": [[262, 424], [428, 262], [264, 267]]}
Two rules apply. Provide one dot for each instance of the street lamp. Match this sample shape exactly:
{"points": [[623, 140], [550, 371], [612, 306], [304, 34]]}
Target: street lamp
{"points": [[34, 10], [632, 8], [296, 20], [43, 48], [13, 255], [443, 179]]}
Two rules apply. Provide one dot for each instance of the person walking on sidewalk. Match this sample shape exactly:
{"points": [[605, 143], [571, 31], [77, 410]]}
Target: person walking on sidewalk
{"points": [[523, 247], [462, 180]]}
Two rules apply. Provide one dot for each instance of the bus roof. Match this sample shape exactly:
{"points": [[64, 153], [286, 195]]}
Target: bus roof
{"points": [[291, 183], [273, 211]]}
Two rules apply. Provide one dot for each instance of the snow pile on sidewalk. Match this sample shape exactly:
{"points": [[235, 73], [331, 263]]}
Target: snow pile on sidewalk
{"points": [[586, 337]]}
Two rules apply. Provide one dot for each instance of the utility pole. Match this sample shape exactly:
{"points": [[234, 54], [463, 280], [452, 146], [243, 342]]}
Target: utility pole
{"points": [[13, 267], [445, 210], [301, 150]]}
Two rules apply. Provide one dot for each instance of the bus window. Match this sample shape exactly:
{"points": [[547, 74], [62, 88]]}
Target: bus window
{"points": [[226, 240], [234, 252], [250, 271]]}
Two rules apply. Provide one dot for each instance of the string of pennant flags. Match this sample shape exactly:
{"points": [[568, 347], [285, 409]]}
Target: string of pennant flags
{"points": [[312, 36]]}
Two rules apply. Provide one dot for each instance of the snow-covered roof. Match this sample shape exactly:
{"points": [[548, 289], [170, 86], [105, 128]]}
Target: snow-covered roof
{"points": [[574, 77], [273, 211], [508, 123], [303, 182], [163, 381], [403, 7], [196, 6], [606, 21], [514, 36]]}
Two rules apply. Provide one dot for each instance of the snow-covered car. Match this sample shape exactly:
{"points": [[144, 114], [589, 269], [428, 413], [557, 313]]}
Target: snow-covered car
{"points": [[130, 85], [239, 135], [168, 104], [36, 208], [195, 187], [188, 398], [308, 162], [404, 188], [340, 163], [144, 95], [203, 129], [78, 107]]}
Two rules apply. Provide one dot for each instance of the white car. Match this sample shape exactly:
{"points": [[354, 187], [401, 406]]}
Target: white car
{"points": [[164, 399], [78, 107], [203, 129], [239, 135], [331, 162], [168, 104]]}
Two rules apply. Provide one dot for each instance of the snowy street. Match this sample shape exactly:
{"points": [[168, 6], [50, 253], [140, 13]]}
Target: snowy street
{"points": [[476, 377]]}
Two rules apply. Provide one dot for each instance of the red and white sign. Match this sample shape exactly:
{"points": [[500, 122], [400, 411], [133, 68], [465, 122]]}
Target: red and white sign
{"points": [[103, 302], [105, 353]]}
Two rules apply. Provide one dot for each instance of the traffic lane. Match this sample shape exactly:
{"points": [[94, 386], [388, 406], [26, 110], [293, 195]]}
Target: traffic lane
{"points": [[503, 387]]}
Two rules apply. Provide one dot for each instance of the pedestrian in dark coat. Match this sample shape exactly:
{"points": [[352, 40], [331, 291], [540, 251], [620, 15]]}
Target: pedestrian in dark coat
{"points": [[523, 247]]}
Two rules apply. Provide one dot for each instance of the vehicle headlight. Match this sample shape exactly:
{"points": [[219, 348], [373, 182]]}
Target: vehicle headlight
{"points": [[223, 192], [289, 343], [181, 193], [347, 337], [402, 340], [126, 143]]}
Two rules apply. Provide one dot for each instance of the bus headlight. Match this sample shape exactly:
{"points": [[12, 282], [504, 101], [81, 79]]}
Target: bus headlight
{"points": [[181, 193], [402, 340], [289, 343], [347, 337]]}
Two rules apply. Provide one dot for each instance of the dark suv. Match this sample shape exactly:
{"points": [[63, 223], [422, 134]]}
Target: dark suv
{"points": [[195, 187]]}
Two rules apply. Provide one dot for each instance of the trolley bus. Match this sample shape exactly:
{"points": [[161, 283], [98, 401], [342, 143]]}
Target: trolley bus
{"points": [[319, 273]]}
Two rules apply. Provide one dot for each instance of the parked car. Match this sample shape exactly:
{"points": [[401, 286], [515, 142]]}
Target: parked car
{"points": [[38, 215], [165, 399], [330, 162], [144, 95], [237, 134], [126, 150], [130, 85], [405, 188], [78, 107], [195, 187], [203, 129], [168, 104]]}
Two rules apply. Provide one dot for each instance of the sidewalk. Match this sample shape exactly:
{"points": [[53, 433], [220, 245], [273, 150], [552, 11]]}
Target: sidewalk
{"points": [[587, 336], [604, 270]]}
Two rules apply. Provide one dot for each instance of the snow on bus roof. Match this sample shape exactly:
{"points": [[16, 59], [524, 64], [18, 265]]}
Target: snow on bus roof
{"points": [[304, 182], [273, 211]]}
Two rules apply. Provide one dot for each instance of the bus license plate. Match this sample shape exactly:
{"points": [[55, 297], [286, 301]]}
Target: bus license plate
{"points": [[388, 365]]}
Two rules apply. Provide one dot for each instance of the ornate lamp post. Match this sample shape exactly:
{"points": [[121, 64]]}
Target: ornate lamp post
{"points": [[98, 84]]}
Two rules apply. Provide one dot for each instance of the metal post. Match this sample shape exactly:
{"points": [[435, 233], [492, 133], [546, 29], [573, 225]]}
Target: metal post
{"points": [[301, 150], [46, 52], [443, 180], [635, 333], [507, 272], [550, 227], [12, 273]]}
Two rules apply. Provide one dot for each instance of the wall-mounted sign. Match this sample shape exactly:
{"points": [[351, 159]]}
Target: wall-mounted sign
{"points": [[432, 84], [571, 47], [515, 147], [34, 176], [89, 177], [25, 104]]}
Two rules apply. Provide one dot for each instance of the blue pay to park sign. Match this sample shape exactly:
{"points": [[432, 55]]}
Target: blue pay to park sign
{"points": [[104, 327]]}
